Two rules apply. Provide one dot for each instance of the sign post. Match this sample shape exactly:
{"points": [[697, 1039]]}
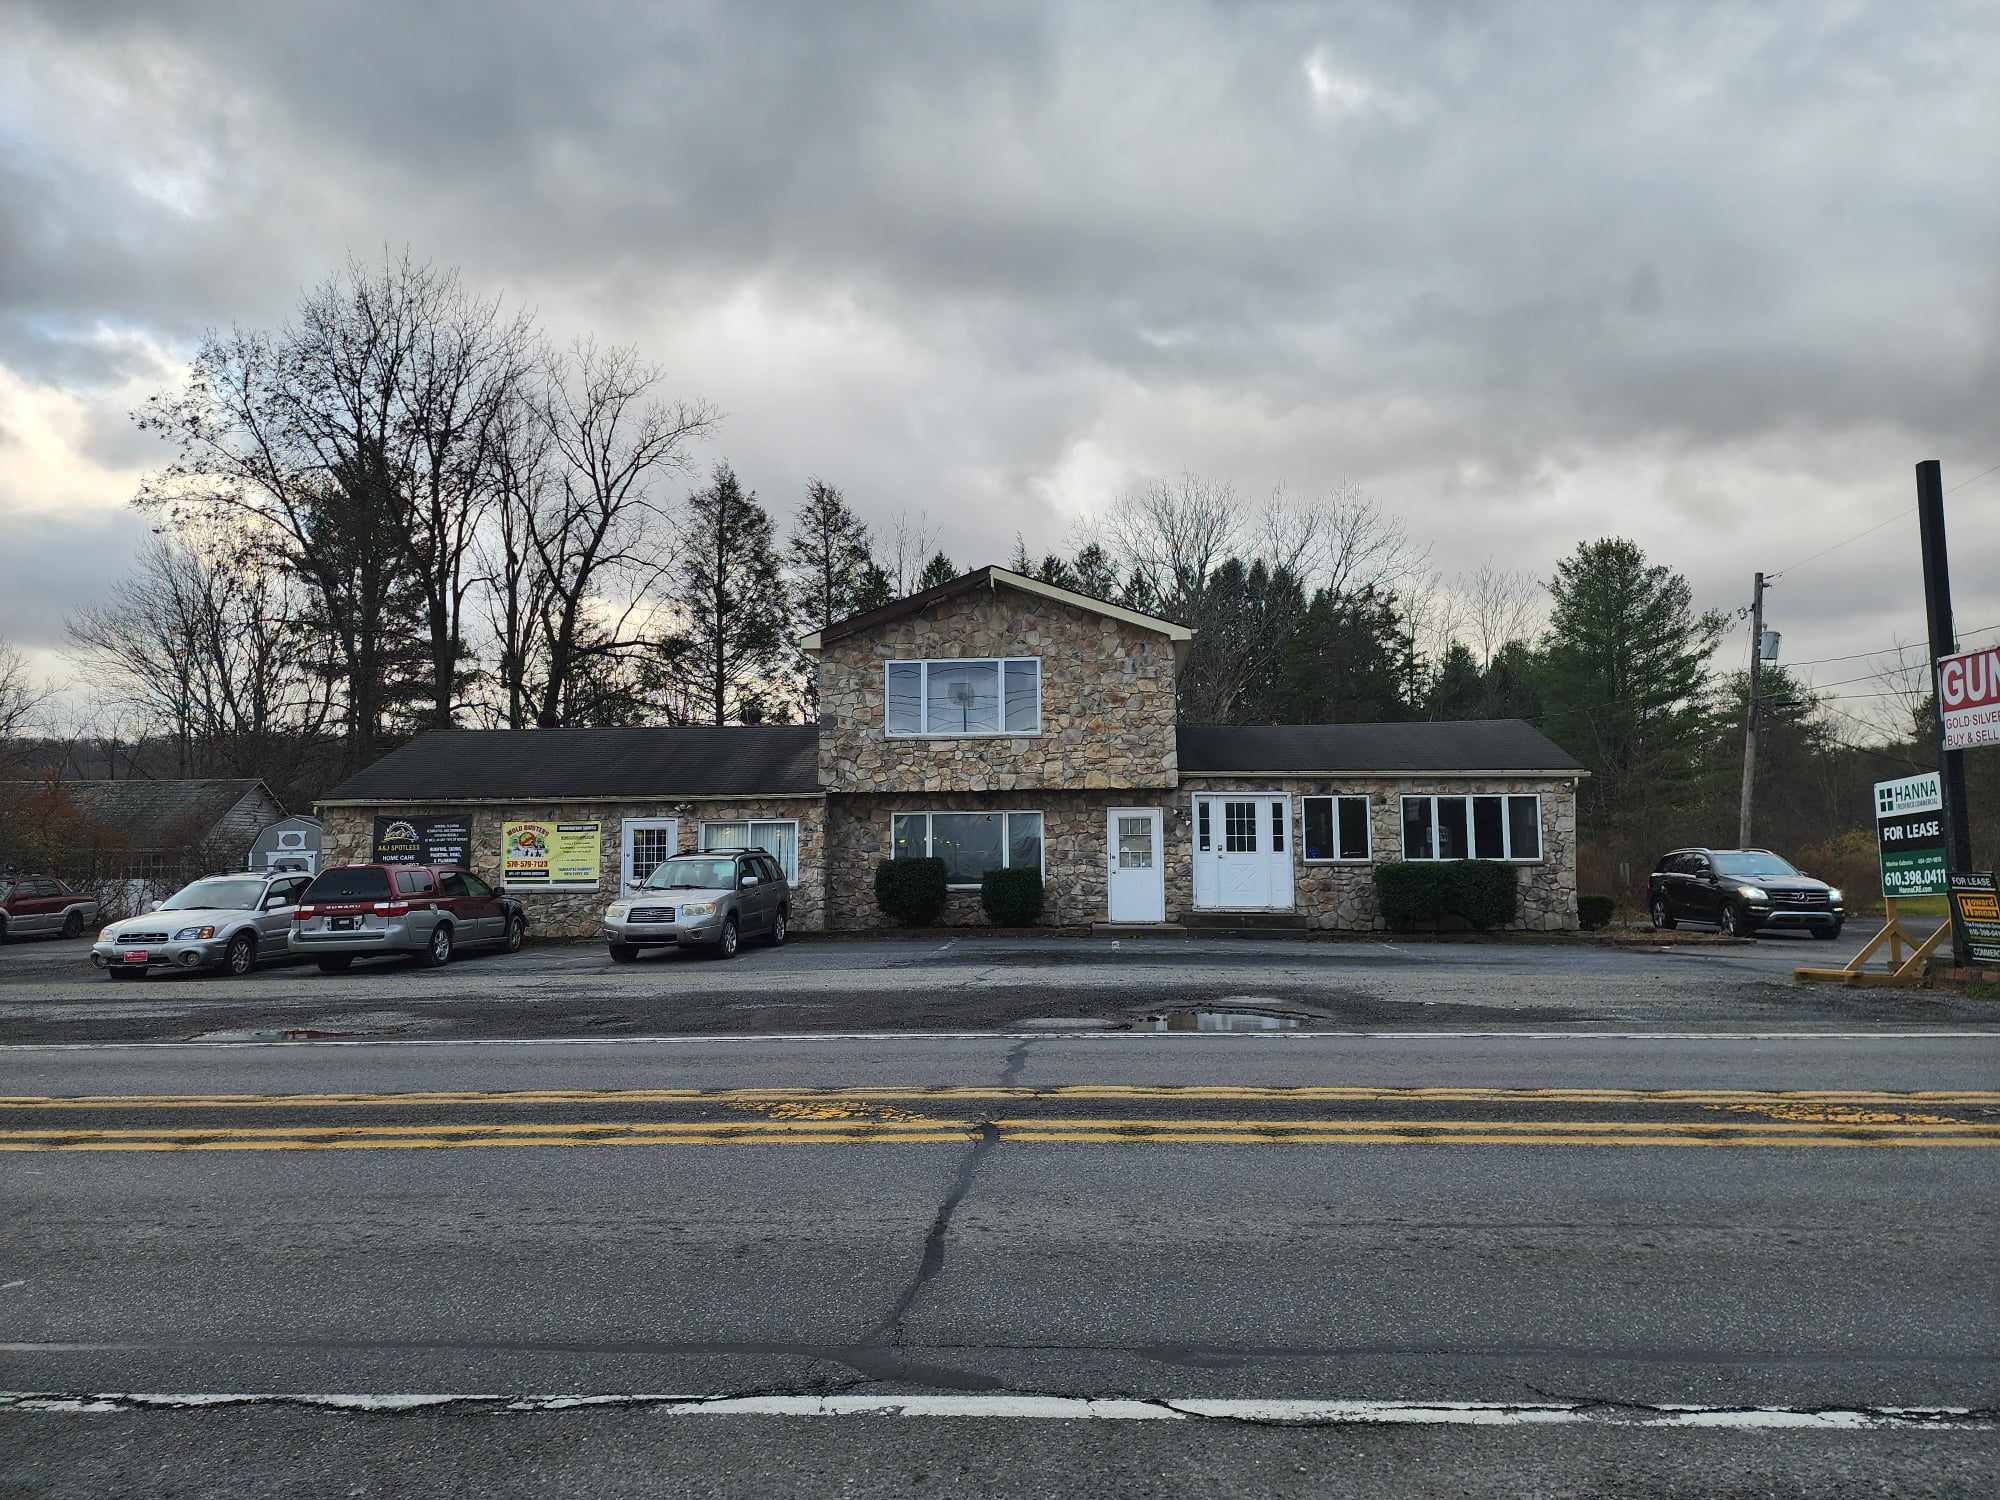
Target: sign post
{"points": [[1910, 839]]}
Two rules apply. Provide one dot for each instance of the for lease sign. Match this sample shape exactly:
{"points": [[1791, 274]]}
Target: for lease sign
{"points": [[1909, 826], [1969, 698]]}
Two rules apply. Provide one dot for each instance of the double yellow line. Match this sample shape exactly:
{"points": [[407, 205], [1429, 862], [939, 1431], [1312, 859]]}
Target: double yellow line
{"points": [[1193, 1094], [916, 1130]]}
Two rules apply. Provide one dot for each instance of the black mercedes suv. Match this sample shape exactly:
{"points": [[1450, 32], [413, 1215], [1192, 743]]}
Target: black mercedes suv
{"points": [[1741, 890]]}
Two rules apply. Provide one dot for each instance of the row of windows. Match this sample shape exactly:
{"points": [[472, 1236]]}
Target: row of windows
{"points": [[1337, 828], [970, 843], [991, 697]]}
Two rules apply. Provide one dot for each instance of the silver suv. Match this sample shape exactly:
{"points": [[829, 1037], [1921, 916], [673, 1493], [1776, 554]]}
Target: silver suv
{"points": [[714, 899], [226, 922]]}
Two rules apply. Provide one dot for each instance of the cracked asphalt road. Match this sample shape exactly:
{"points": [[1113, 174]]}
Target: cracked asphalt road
{"points": [[1754, 1224]]}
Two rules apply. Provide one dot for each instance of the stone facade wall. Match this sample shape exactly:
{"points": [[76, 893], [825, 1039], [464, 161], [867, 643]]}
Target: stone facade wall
{"points": [[350, 833], [1335, 897], [1074, 855], [1342, 896], [1107, 702]]}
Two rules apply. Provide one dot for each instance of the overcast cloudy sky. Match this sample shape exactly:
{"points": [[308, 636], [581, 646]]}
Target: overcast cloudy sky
{"points": [[1713, 277]]}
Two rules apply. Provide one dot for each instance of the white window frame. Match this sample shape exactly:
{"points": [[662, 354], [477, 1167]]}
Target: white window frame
{"points": [[791, 875], [1367, 826], [923, 731], [1506, 825], [1006, 834]]}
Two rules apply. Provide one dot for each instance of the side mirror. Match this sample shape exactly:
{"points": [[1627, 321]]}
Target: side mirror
{"points": [[748, 881]]}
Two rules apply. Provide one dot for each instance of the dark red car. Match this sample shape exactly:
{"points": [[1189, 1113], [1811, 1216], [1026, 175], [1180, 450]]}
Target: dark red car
{"points": [[38, 905], [425, 911]]}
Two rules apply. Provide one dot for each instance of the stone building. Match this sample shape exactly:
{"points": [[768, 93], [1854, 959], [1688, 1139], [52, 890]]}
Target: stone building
{"points": [[1001, 721]]}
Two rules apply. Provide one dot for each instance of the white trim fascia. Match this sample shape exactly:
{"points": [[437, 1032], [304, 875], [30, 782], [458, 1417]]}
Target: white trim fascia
{"points": [[1187, 775], [668, 797], [1062, 595]]}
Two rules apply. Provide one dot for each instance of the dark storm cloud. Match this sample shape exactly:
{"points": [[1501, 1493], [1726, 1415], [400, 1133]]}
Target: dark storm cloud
{"points": [[1470, 255]]}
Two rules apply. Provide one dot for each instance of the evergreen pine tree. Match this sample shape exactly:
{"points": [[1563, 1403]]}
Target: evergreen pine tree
{"points": [[728, 662]]}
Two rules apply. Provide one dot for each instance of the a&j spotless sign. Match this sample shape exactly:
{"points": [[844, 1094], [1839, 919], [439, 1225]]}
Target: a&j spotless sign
{"points": [[1909, 826], [1969, 698]]}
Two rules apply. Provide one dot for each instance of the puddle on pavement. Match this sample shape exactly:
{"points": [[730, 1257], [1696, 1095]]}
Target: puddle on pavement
{"points": [[1212, 1018]]}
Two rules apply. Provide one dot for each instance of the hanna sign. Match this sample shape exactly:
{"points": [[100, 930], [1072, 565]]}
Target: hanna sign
{"points": [[1969, 698], [1909, 826]]}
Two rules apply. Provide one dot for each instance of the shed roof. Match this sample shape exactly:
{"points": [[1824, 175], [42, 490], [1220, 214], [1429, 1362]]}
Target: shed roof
{"points": [[1466, 746], [553, 765], [150, 814]]}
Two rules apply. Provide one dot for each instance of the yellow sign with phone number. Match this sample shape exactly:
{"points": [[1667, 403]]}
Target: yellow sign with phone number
{"points": [[547, 856]]}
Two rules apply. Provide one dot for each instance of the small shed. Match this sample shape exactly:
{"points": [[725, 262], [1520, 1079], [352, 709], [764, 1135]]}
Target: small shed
{"points": [[291, 844]]}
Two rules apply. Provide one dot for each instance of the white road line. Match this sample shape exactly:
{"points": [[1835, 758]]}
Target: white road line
{"points": [[1172, 1039], [1295, 1412]]}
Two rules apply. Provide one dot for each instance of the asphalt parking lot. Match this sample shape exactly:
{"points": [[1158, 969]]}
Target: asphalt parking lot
{"points": [[49, 991]]}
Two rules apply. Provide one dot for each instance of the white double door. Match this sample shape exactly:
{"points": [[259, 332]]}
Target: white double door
{"points": [[1135, 882], [1242, 852]]}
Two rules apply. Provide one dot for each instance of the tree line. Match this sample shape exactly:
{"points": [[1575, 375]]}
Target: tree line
{"points": [[405, 509]]}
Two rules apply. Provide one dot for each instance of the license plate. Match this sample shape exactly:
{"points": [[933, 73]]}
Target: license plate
{"points": [[135, 955], [341, 924]]}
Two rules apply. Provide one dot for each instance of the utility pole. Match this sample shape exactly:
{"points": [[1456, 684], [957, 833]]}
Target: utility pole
{"points": [[1750, 718], [1944, 641]]}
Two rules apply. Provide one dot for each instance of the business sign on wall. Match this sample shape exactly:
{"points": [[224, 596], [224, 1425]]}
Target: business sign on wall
{"points": [[1978, 908], [1968, 687], [546, 856], [1909, 827], [423, 841]]}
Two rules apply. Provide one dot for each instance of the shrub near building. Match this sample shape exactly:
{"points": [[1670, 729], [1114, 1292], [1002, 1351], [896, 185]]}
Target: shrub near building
{"points": [[1012, 898], [1417, 894], [911, 892]]}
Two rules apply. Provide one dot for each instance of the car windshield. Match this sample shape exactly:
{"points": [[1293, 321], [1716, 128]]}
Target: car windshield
{"points": [[222, 895], [364, 883], [693, 875], [1751, 865]]}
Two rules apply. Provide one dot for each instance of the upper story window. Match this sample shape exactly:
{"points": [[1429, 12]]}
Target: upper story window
{"points": [[970, 697]]}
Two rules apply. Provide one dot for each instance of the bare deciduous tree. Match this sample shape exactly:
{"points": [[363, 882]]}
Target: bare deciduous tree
{"points": [[21, 697], [1499, 605], [584, 493], [912, 540]]}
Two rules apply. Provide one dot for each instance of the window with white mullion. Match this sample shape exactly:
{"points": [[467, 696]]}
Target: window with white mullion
{"points": [[958, 699], [970, 843], [1480, 826]]}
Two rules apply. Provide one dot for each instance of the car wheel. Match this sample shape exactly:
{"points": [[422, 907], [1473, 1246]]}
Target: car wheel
{"points": [[727, 943], [336, 965], [438, 954], [623, 953], [1662, 918], [778, 930], [1826, 932], [517, 934], [73, 925], [240, 957], [1733, 924]]}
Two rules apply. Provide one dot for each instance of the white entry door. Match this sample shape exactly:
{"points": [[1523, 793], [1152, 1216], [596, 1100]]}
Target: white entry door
{"points": [[645, 842], [1243, 852], [1136, 885]]}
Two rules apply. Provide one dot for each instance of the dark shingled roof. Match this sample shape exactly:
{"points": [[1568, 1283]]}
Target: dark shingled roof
{"points": [[148, 814], [549, 765], [1463, 745]]}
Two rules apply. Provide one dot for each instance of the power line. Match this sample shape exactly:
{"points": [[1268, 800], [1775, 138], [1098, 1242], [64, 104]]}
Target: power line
{"points": [[1820, 661], [1870, 531]]}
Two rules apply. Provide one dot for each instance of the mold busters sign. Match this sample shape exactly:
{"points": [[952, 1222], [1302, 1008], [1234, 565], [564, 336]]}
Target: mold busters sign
{"points": [[1969, 698]]}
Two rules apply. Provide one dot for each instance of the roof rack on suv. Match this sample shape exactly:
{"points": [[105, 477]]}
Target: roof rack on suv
{"points": [[734, 849]]}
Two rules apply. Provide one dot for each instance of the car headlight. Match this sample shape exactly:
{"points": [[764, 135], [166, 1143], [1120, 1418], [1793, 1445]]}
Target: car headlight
{"points": [[1752, 892], [193, 934], [1833, 894], [616, 913], [697, 908]]}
